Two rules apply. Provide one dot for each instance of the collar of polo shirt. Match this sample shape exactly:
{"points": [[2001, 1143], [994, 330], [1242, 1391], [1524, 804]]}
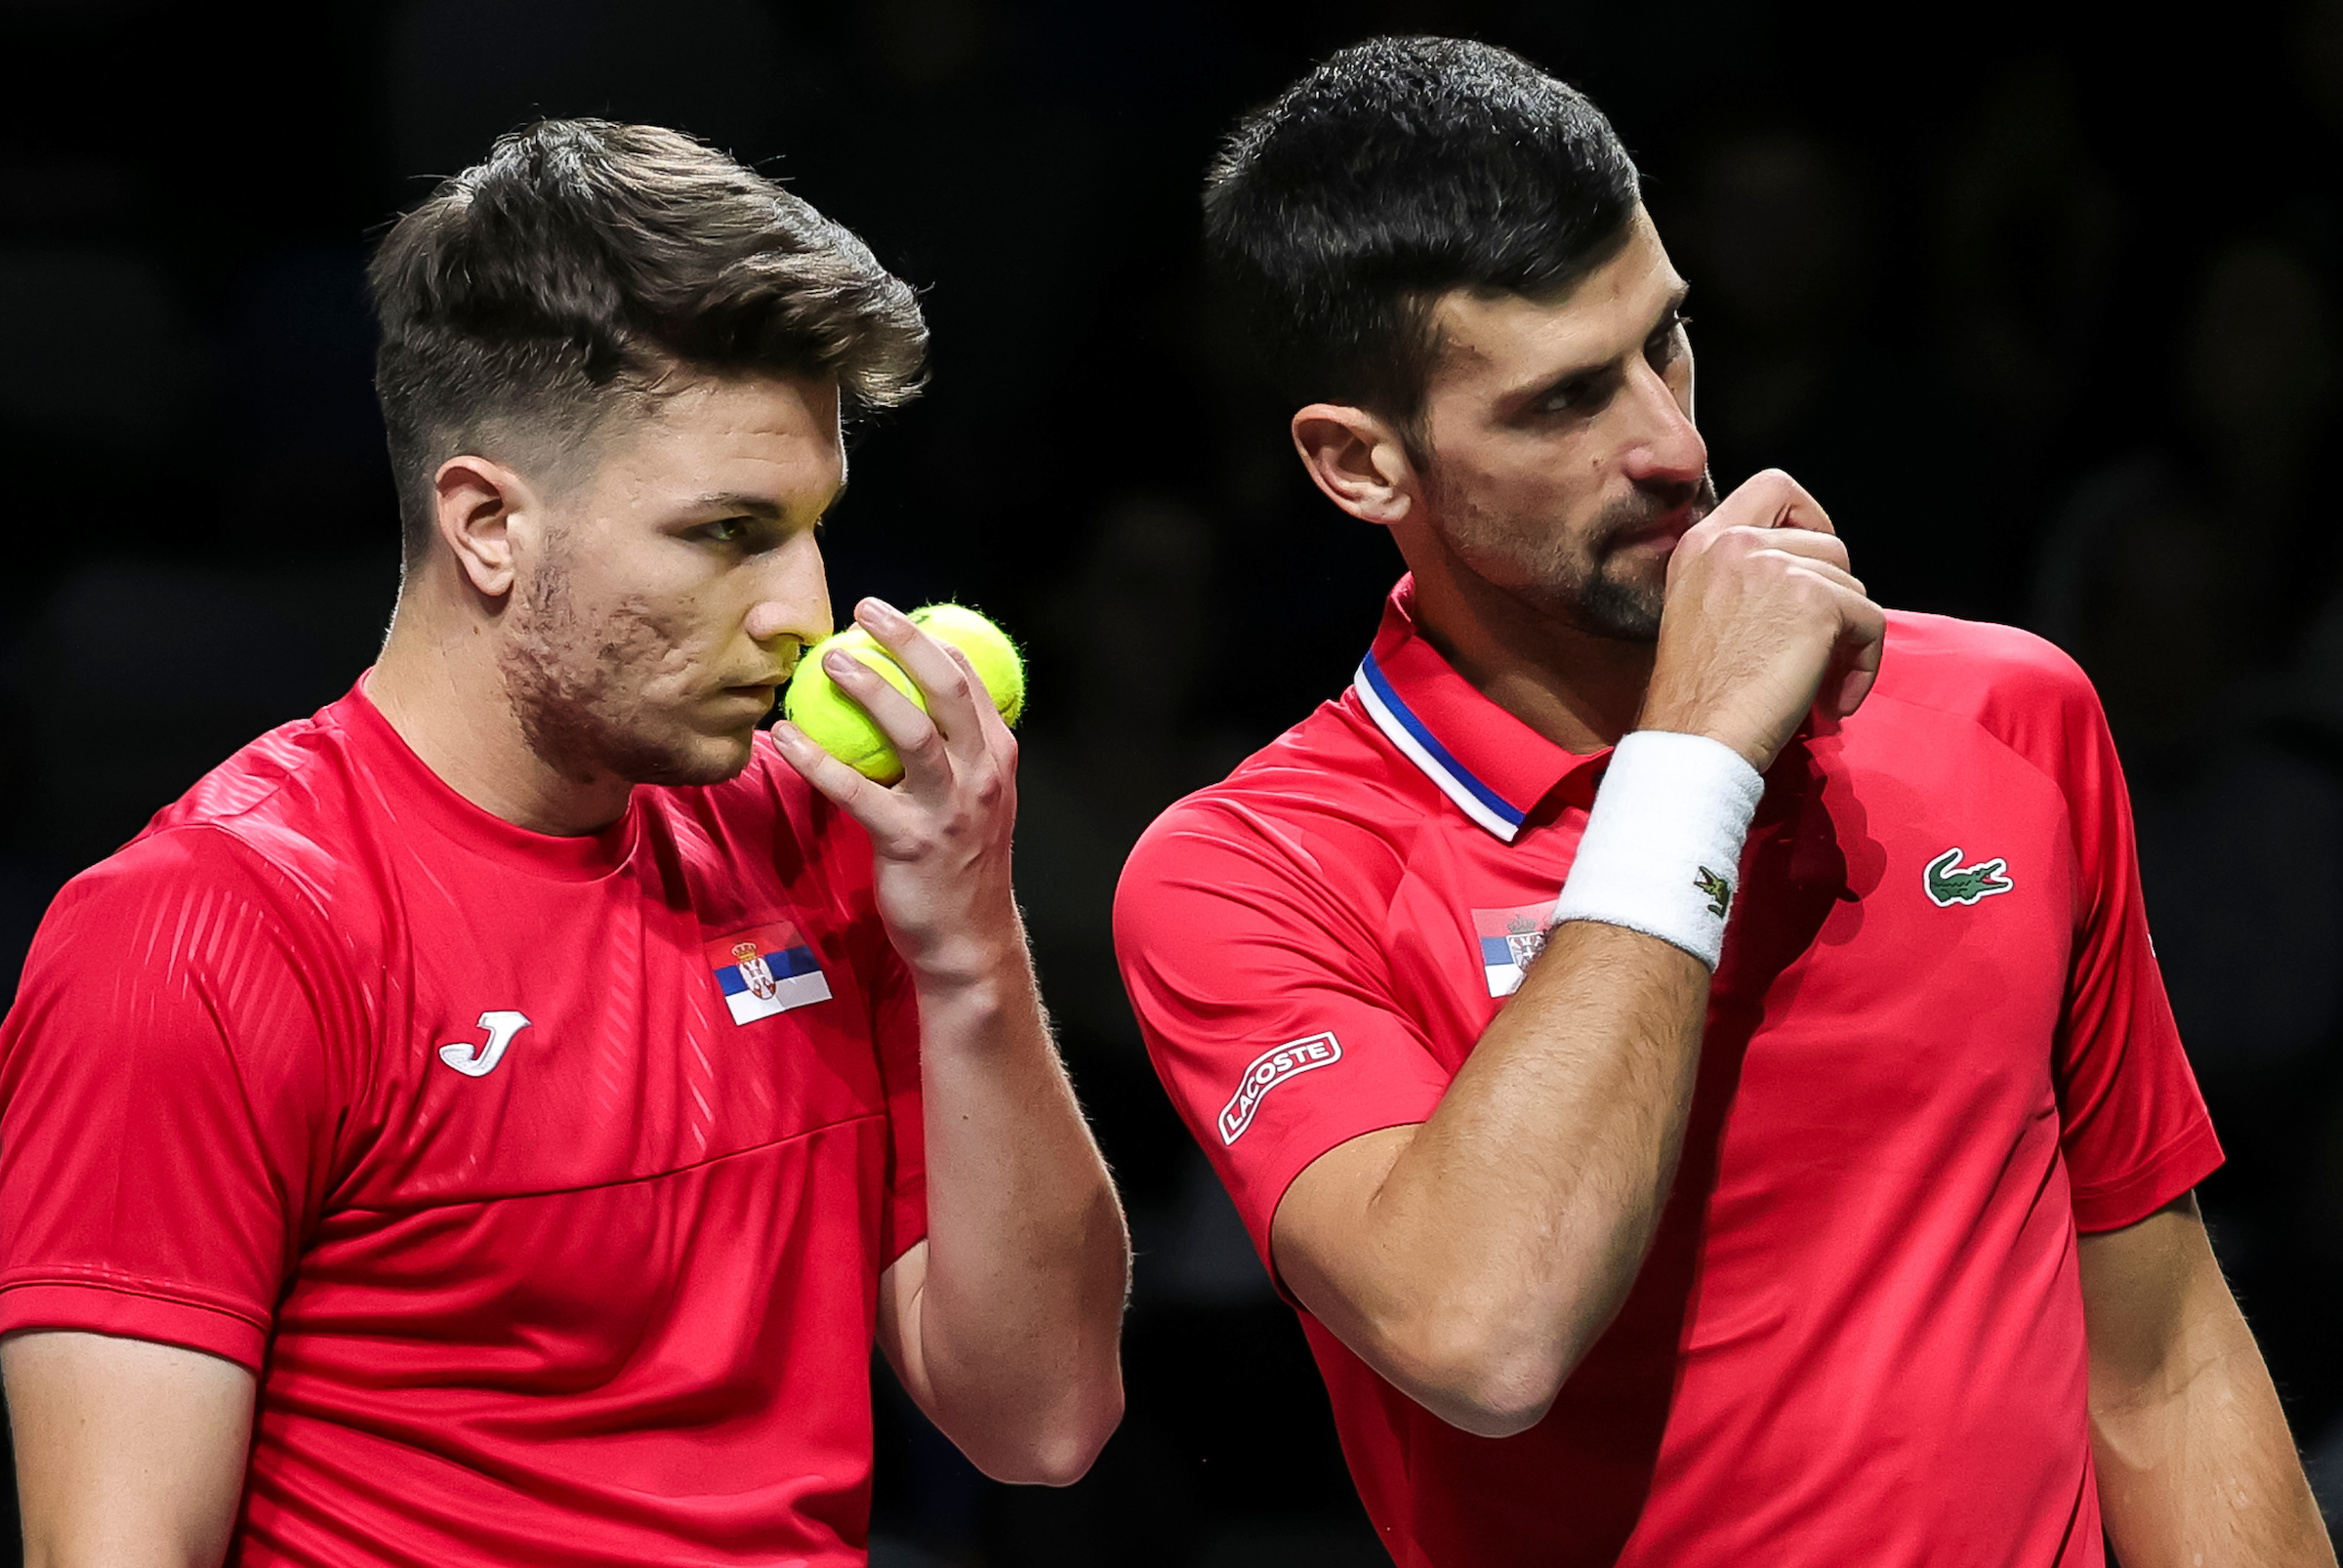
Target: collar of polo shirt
{"points": [[1496, 769]]}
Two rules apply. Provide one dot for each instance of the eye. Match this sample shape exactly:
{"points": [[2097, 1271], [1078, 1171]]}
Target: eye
{"points": [[1575, 394], [1669, 341], [724, 530]]}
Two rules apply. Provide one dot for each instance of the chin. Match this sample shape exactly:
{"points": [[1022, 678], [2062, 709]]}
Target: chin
{"points": [[685, 760], [1623, 602], [1621, 615]]}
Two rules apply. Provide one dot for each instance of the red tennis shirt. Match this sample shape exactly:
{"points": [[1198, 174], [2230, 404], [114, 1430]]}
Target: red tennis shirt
{"points": [[1937, 1047], [544, 1183]]}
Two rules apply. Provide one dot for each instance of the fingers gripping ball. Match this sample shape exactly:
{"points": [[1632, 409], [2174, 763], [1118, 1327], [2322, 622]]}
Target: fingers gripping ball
{"points": [[837, 723], [989, 649]]}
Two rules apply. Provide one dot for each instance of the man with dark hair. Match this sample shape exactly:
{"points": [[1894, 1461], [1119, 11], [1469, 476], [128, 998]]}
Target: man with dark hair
{"points": [[1861, 1233], [489, 1121]]}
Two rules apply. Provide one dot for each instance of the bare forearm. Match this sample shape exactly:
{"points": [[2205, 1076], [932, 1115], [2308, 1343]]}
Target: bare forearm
{"points": [[2195, 1467], [1005, 1321], [1028, 1261], [1511, 1226]]}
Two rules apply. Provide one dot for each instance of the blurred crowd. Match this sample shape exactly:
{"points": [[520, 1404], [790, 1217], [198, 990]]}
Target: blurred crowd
{"points": [[2043, 308]]}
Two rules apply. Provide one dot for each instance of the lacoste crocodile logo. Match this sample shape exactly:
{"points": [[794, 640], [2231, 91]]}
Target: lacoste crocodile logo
{"points": [[1950, 883], [1720, 892]]}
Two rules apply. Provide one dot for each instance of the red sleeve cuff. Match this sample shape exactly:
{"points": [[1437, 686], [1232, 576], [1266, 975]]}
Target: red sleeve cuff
{"points": [[2148, 1187], [130, 1314], [903, 1224]]}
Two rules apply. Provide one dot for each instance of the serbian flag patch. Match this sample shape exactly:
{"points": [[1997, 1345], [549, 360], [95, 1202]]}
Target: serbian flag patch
{"points": [[764, 970], [1510, 940]]}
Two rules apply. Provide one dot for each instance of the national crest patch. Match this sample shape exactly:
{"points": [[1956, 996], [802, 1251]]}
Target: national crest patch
{"points": [[1511, 940], [765, 970]]}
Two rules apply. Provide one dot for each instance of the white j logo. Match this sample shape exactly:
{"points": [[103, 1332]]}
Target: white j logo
{"points": [[474, 1061]]}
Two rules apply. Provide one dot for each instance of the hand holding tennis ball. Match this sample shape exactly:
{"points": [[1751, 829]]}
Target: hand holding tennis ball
{"points": [[837, 723]]}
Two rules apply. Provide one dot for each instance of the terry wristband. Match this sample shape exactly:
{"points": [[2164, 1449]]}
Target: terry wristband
{"points": [[1661, 853]]}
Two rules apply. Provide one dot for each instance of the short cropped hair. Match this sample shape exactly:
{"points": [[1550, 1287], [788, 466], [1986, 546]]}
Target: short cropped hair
{"points": [[1398, 170], [584, 262]]}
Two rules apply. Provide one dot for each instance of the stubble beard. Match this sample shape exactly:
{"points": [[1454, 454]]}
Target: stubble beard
{"points": [[575, 691], [1586, 581]]}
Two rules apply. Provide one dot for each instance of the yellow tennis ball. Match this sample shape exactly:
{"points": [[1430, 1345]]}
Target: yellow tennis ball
{"points": [[989, 649], [837, 723]]}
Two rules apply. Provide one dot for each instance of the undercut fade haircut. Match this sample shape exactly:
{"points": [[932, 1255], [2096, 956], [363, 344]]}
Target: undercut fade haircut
{"points": [[1394, 172], [581, 265]]}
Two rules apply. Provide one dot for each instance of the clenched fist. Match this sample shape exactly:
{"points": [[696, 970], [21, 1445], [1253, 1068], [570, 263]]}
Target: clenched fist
{"points": [[1764, 623]]}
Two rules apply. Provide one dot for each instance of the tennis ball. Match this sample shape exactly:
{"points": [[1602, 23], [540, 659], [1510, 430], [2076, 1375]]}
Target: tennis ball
{"points": [[988, 648], [837, 723]]}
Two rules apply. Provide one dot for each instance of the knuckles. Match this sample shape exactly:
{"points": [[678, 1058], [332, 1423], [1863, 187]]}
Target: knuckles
{"points": [[928, 745], [955, 684], [1761, 498]]}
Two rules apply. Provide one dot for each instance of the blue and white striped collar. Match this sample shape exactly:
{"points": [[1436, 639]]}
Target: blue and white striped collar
{"points": [[1416, 742], [1491, 765]]}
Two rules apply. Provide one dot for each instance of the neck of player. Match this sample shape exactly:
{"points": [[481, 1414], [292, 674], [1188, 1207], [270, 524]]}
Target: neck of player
{"points": [[442, 685], [1580, 691]]}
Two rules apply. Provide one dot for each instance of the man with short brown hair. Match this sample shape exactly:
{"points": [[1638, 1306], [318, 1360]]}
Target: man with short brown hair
{"points": [[489, 1121]]}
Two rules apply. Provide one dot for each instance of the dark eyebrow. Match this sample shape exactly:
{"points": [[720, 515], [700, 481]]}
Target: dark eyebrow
{"points": [[755, 505], [1551, 385]]}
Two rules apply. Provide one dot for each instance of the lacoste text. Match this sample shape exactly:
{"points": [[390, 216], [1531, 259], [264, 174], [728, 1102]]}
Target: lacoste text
{"points": [[1268, 1070]]}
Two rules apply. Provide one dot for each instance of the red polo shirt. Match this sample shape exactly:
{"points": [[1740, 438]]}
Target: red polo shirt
{"points": [[1937, 1047], [544, 1183]]}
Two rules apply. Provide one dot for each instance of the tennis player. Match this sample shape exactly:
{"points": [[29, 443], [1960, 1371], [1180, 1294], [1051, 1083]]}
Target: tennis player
{"points": [[489, 1121], [1686, 1040]]}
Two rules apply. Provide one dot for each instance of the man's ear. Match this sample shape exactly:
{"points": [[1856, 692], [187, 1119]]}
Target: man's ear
{"points": [[477, 502], [1359, 461]]}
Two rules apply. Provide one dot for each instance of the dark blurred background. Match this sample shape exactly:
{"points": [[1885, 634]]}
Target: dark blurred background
{"points": [[2040, 303]]}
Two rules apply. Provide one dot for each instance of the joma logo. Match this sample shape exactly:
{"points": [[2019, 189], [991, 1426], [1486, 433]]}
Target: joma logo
{"points": [[478, 1061]]}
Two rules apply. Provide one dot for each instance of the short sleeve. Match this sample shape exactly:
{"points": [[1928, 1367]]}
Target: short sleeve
{"points": [[1257, 966], [163, 1129], [2133, 1126]]}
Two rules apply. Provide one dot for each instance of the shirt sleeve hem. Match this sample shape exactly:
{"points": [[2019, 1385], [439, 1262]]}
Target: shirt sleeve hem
{"points": [[2131, 1198], [906, 1222], [133, 1314]]}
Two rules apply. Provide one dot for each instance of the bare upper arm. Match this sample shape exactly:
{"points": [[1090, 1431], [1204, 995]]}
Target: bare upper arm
{"points": [[1316, 1233], [2146, 1288], [128, 1451]]}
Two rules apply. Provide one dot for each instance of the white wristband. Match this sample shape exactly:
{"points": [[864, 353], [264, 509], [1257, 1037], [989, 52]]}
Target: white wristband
{"points": [[1661, 853]]}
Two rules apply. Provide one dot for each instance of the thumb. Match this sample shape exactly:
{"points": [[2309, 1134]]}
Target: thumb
{"points": [[1863, 642]]}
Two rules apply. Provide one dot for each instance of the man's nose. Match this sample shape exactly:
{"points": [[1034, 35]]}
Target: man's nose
{"points": [[792, 595], [1666, 448]]}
